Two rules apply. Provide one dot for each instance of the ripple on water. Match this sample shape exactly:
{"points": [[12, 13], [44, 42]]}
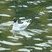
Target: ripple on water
{"points": [[5, 15], [49, 11], [50, 37], [38, 31], [29, 33], [33, 47], [22, 18], [37, 39], [35, 2], [24, 50], [0, 31], [8, 0], [50, 50], [2, 49], [38, 48], [43, 45], [50, 24], [50, 42], [9, 23], [49, 7], [9, 9], [5, 25], [23, 33], [25, 6], [49, 19], [12, 6], [32, 2], [10, 43], [14, 38], [37, 17], [42, 13]]}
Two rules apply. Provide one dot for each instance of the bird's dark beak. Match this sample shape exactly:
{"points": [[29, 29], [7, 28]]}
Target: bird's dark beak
{"points": [[14, 19]]}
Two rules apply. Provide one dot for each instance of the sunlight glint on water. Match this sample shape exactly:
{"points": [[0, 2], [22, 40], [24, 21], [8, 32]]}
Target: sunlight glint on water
{"points": [[37, 37]]}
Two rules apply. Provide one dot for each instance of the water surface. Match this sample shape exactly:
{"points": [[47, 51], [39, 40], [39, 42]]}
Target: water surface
{"points": [[37, 37]]}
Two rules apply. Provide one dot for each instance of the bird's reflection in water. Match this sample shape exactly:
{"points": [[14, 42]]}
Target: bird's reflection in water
{"points": [[28, 33]]}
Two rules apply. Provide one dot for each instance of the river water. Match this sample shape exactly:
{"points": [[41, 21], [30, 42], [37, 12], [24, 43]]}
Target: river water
{"points": [[37, 37]]}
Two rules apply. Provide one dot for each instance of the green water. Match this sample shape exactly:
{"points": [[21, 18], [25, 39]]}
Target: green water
{"points": [[37, 37]]}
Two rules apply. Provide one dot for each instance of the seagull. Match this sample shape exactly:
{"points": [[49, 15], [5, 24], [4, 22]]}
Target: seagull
{"points": [[19, 25]]}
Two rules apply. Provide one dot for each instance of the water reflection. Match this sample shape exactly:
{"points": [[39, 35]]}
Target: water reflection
{"points": [[13, 6], [49, 7], [9, 9], [32, 2], [27, 34], [37, 48], [50, 11], [37, 37], [9, 23], [50, 24], [39, 31], [24, 50], [8, 0], [49, 37], [50, 50], [35, 2], [15, 38], [43, 45], [41, 13], [49, 19], [37, 17], [6, 15], [22, 6], [3, 49], [0, 31], [50, 41], [10, 43]]}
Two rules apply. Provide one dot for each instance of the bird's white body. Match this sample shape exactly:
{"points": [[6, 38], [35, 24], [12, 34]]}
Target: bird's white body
{"points": [[20, 26]]}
